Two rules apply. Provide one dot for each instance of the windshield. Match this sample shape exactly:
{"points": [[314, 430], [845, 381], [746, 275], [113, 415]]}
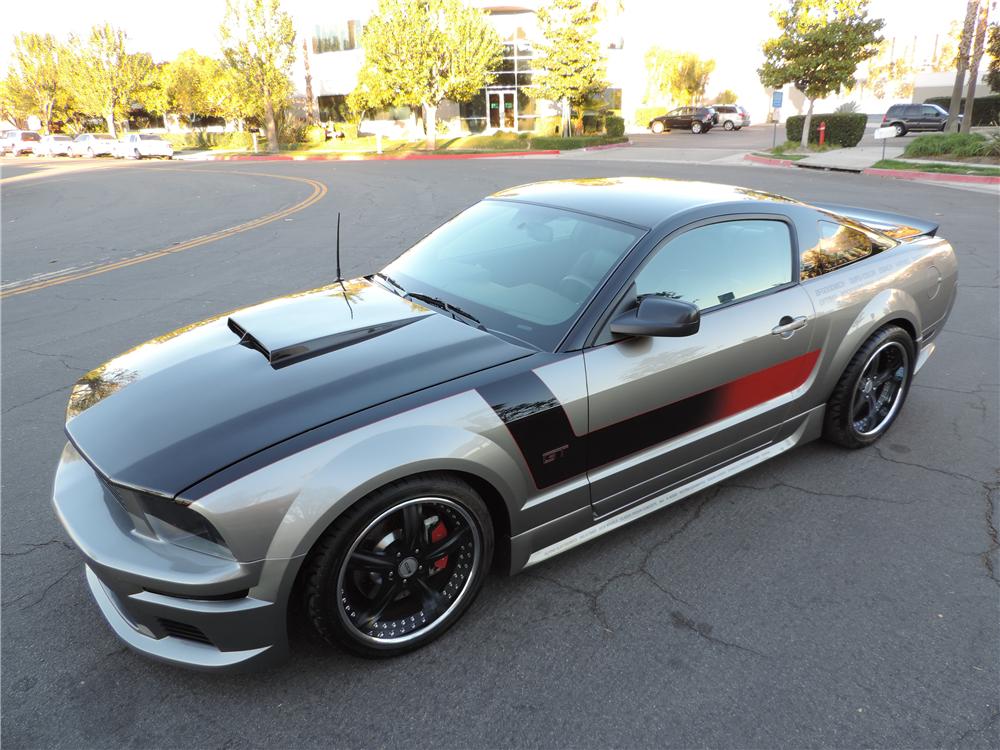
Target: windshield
{"points": [[30, 137], [150, 138], [525, 271]]}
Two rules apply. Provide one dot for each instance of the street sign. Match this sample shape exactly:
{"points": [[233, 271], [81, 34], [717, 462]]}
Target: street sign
{"points": [[776, 99], [881, 133]]}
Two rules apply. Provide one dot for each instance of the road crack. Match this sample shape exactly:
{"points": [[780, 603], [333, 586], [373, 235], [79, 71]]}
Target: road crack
{"points": [[38, 546]]}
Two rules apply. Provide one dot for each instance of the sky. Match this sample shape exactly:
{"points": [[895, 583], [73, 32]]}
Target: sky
{"points": [[731, 31]]}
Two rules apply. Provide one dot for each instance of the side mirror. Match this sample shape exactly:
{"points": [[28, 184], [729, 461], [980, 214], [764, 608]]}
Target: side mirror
{"points": [[658, 316]]}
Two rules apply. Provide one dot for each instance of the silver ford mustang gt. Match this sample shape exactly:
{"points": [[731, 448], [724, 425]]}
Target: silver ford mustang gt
{"points": [[558, 360]]}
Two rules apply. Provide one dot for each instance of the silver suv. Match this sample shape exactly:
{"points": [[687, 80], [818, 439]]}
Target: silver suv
{"points": [[732, 116]]}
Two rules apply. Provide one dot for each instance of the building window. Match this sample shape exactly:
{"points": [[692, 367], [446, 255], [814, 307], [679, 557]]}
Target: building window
{"points": [[333, 108], [337, 37]]}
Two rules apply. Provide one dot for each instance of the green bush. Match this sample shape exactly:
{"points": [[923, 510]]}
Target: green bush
{"points": [[842, 129], [985, 109], [614, 126], [547, 125], [941, 144], [566, 144], [644, 114], [593, 124], [202, 140], [315, 135]]}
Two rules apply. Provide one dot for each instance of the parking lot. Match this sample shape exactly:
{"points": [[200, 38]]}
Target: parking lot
{"points": [[826, 598]]}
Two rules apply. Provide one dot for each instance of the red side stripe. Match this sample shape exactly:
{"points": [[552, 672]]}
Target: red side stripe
{"points": [[757, 387]]}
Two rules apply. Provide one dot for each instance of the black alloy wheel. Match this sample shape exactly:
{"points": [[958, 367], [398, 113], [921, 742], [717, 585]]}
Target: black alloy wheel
{"points": [[400, 567], [871, 392]]}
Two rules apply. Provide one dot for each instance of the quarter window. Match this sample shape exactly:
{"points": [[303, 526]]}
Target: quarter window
{"points": [[838, 245], [720, 263]]}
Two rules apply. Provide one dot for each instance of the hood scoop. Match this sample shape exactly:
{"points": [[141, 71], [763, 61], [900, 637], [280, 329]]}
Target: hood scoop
{"points": [[293, 330]]}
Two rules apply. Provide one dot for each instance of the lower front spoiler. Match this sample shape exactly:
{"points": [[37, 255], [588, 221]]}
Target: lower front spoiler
{"points": [[179, 651]]}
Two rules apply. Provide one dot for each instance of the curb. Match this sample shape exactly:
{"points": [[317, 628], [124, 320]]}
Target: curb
{"points": [[768, 162], [374, 157], [909, 174], [602, 147]]}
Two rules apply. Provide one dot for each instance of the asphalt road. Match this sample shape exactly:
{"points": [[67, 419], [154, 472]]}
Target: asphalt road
{"points": [[824, 599]]}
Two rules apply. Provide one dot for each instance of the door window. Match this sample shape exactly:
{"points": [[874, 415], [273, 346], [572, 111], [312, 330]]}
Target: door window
{"points": [[720, 263]]}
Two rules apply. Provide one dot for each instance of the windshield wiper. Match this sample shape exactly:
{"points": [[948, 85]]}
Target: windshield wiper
{"points": [[454, 310], [392, 282]]}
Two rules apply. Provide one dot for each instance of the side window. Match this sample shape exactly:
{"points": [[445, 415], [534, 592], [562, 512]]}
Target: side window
{"points": [[838, 245], [720, 263], [931, 111]]}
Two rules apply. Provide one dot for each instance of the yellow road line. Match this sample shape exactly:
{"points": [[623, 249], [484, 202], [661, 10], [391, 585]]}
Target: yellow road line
{"points": [[319, 190]]}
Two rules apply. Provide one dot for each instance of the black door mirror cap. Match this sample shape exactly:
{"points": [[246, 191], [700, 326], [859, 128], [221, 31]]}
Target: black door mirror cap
{"points": [[658, 316]]}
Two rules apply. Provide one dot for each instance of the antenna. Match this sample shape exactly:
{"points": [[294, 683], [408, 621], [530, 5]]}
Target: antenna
{"points": [[339, 277]]}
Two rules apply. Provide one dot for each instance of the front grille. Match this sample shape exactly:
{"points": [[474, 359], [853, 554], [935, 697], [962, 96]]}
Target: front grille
{"points": [[187, 632]]}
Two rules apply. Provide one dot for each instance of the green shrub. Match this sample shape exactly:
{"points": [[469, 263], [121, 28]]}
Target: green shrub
{"points": [[615, 126], [991, 147], [842, 129], [593, 124], [315, 135], [940, 144], [203, 140], [985, 109], [579, 141], [546, 125], [644, 114]]}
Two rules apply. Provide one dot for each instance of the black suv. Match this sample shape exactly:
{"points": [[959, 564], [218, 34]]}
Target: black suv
{"points": [[907, 117], [695, 119]]}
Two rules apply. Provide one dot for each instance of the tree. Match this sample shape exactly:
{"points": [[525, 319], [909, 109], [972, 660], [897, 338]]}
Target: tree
{"points": [[421, 52], [258, 42], [890, 76], [819, 48], [944, 58], [977, 55], [727, 96], [993, 50], [568, 56], [188, 83], [106, 78], [36, 78], [961, 63], [677, 76], [692, 74]]}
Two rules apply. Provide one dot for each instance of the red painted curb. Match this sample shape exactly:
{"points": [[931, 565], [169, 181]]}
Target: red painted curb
{"points": [[769, 162], [373, 157], [909, 174]]}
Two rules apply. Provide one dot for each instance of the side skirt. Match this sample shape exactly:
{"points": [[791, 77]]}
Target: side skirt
{"points": [[809, 429]]}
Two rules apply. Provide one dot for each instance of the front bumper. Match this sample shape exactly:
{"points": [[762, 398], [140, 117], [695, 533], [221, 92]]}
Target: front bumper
{"points": [[172, 604]]}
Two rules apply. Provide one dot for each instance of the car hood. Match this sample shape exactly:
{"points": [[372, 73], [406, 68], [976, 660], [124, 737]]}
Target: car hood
{"points": [[176, 409]]}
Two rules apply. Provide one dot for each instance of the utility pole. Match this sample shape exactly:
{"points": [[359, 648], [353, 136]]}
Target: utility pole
{"points": [[977, 55], [962, 62], [311, 108]]}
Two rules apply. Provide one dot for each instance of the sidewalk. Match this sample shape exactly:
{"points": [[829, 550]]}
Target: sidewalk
{"points": [[850, 159]]}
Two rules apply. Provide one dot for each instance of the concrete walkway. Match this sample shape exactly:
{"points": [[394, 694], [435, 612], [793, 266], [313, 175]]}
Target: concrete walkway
{"points": [[849, 159]]}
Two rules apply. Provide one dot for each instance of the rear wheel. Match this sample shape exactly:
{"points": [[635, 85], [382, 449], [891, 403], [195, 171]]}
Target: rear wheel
{"points": [[872, 389], [400, 567], [729, 125], [657, 127], [136, 154]]}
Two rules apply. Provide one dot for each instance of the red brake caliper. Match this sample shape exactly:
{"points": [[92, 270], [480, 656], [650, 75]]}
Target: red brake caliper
{"points": [[438, 533]]}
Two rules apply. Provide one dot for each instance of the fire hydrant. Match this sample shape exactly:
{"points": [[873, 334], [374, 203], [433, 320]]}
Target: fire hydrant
{"points": [[822, 132]]}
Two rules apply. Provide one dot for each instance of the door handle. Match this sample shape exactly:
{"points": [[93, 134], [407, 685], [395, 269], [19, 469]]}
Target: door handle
{"points": [[788, 326]]}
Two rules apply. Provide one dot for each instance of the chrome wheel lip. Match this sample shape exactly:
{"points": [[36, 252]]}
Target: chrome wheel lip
{"points": [[441, 618], [897, 400]]}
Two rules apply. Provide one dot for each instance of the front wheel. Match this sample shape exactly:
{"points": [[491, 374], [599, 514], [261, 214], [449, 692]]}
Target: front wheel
{"points": [[729, 125], [696, 127], [872, 389], [400, 567], [656, 127]]}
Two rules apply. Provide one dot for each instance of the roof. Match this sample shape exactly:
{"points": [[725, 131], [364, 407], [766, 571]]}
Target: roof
{"points": [[644, 201]]}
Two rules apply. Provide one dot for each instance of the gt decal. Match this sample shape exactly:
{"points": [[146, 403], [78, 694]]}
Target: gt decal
{"points": [[554, 453]]}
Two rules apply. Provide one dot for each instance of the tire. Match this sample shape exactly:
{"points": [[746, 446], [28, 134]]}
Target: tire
{"points": [[368, 568], [729, 125], [90, 153], [696, 127], [900, 129], [137, 155], [657, 127], [871, 392], [739, 127]]}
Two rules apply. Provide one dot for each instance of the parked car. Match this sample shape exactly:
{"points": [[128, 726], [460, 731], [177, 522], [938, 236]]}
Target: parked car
{"points": [[142, 146], [731, 116], [91, 144], [19, 142], [53, 145], [695, 119], [915, 117], [558, 360]]}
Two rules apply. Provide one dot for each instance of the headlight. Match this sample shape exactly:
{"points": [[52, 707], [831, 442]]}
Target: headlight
{"points": [[174, 522]]}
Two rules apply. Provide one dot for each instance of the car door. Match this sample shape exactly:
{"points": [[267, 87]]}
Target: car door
{"points": [[933, 118], [664, 410], [671, 118]]}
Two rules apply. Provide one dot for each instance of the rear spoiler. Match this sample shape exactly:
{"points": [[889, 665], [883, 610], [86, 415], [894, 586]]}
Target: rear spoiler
{"points": [[897, 226]]}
